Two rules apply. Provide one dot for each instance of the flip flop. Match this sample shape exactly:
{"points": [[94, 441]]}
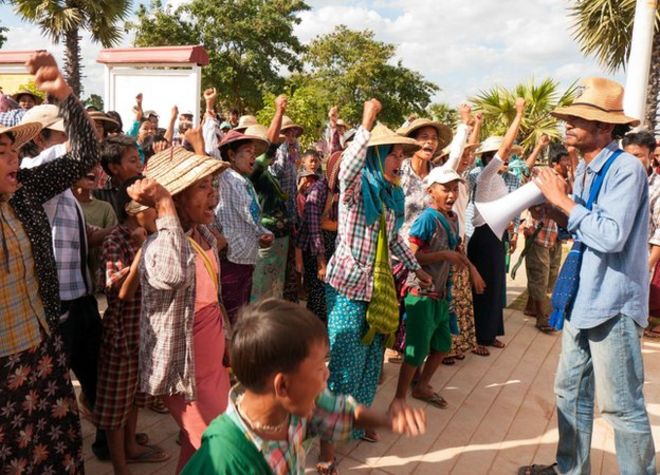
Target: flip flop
{"points": [[449, 361], [434, 400], [327, 468], [371, 437], [545, 328], [153, 455], [459, 357], [497, 344], [481, 350], [538, 470]]}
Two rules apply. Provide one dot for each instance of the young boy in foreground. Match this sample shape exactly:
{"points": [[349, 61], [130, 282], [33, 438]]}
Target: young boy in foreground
{"points": [[433, 240], [278, 354]]}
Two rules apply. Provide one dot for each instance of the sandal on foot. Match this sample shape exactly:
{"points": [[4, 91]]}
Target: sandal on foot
{"points": [[459, 357], [370, 436], [327, 468], [497, 344], [433, 399], [481, 350], [546, 328], [538, 470], [154, 454], [449, 361]]}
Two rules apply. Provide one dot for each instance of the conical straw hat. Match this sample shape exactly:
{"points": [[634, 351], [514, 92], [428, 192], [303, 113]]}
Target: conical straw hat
{"points": [[381, 135], [444, 133], [176, 168]]}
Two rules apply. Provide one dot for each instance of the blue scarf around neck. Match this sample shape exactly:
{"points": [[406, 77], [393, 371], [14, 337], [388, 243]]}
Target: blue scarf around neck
{"points": [[376, 190]]}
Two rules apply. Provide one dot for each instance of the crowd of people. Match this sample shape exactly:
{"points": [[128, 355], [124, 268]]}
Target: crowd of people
{"points": [[253, 286]]}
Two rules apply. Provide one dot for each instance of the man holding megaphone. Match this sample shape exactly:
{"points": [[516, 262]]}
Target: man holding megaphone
{"points": [[602, 290]]}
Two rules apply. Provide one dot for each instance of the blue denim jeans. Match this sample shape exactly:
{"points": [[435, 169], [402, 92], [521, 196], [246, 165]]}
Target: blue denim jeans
{"points": [[606, 359]]}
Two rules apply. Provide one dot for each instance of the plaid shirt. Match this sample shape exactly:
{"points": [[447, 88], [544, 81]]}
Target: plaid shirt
{"points": [[167, 278], [310, 239], [350, 270], [547, 236], [21, 308], [117, 256], [332, 420], [284, 169], [39, 185], [239, 214], [12, 117]]}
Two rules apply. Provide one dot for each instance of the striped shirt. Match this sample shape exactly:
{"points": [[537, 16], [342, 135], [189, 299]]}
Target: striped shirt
{"points": [[350, 270], [332, 420]]}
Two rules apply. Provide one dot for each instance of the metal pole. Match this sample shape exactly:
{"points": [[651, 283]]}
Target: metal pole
{"points": [[639, 62]]}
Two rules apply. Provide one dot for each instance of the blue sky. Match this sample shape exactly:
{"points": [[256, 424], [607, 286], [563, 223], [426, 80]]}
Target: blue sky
{"points": [[462, 45]]}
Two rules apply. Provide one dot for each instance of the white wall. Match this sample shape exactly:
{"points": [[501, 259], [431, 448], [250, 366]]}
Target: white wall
{"points": [[161, 90]]}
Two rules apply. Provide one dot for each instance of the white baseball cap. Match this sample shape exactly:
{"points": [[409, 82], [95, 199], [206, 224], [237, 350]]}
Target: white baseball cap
{"points": [[442, 175], [47, 115]]}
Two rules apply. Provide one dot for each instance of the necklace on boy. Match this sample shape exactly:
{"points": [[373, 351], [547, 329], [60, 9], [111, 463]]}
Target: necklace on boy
{"points": [[258, 426]]}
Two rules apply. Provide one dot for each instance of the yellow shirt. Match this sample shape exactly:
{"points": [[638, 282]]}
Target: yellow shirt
{"points": [[21, 310]]}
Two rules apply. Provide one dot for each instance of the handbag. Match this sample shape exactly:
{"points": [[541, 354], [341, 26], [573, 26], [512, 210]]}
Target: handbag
{"points": [[383, 309], [568, 282]]}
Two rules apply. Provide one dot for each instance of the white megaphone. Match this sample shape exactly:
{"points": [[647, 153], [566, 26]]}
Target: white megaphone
{"points": [[499, 213]]}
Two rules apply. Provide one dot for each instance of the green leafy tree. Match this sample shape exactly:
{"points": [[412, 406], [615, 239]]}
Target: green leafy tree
{"points": [[248, 41], [95, 101], [62, 20], [498, 107], [604, 28], [443, 113], [352, 67]]}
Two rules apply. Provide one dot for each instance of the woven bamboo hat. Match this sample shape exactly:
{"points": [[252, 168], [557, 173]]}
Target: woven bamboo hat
{"points": [[493, 144], [246, 121], [381, 135], [288, 124], [176, 168], [262, 132], [444, 133], [23, 132], [600, 100]]}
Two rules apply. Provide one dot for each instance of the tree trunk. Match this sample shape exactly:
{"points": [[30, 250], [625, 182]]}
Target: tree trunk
{"points": [[652, 109], [72, 60]]}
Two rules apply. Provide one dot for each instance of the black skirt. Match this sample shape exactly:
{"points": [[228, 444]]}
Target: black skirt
{"points": [[486, 252]]}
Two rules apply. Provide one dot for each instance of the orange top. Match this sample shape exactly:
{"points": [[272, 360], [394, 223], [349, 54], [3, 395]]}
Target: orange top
{"points": [[205, 291]]}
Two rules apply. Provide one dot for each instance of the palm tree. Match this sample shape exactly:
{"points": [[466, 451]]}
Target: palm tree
{"points": [[603, 28], [63, 20], [498, 107], [443, 113]]}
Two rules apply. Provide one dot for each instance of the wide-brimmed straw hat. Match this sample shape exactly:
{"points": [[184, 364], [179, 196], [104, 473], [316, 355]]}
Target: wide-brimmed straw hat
{"points": [[176, 168], [445, 151], [381, 135], [262, 131], [444, 133], [493, 144], [23, 132], [102, 117], [24, 92], [288, 124], [260, 143], [599, 100], [341, 123], [246, 121], [48, 115]]}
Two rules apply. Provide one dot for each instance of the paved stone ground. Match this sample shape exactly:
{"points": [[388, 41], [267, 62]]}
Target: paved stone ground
{"points": [[501, 415]]}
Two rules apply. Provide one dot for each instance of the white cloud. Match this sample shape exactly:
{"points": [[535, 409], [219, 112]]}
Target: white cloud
{"points": [[465, 46]]}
